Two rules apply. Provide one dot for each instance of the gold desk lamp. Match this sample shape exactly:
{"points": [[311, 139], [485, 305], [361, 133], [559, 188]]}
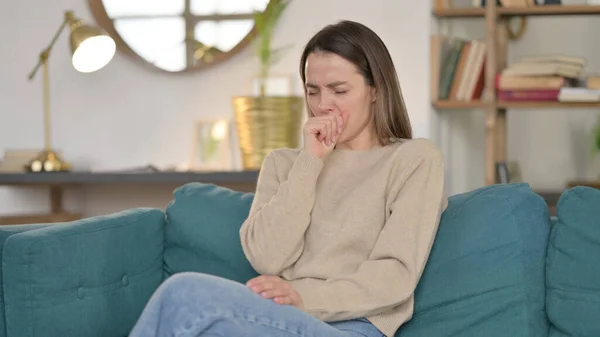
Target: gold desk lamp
{"points": [[91, 50]]}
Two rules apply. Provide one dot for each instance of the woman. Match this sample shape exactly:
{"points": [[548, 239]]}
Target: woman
{"points": [[339, 230]]}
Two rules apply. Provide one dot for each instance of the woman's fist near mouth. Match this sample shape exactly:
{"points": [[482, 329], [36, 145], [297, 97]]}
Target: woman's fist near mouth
{"points": [[322, 133]]}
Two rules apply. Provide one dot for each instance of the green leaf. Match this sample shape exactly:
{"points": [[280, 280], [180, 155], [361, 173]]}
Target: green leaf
{"points": [[597, 142], [265, 23], [595, 146], [276, 54]]}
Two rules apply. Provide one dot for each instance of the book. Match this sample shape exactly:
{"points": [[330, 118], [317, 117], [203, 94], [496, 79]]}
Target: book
{"points": [[591, 82], [560, 65], [512, 82], [544, 69], [14, 161], [514, 3], [457, 68], [555, 58], [579, 95], [528, 95]]}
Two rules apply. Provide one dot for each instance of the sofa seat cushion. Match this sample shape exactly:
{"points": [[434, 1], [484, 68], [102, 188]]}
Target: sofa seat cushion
{"points": [[485, 274], [573, 272], [202, 232]]}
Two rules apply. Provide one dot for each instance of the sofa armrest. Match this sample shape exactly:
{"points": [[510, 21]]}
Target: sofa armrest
{"points": [[5, 233], [90, 277]]}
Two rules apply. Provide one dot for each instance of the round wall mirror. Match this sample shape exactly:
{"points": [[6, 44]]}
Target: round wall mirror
{"points": [[179, 35]]}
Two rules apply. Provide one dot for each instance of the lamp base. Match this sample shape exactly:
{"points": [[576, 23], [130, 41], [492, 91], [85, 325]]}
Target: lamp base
{"points": [[48, 161]]}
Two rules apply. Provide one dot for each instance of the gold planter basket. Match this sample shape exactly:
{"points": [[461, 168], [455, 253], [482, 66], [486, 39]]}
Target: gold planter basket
{"points": [[266, 123]]}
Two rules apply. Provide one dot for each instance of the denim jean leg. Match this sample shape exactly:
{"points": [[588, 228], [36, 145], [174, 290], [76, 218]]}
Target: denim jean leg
{"points": [[194, 304]]}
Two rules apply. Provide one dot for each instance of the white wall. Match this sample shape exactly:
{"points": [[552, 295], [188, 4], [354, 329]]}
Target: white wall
{"points": [[126, 115]]}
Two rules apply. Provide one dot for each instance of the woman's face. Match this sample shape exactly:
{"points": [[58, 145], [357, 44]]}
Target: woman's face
{"points": [[334, 85]]}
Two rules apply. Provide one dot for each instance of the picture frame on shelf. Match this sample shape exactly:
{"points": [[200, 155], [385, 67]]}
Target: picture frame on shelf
{"points": [[211, 145]]}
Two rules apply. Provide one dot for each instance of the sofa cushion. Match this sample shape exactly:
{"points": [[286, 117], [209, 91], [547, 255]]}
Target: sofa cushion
{"points": [[485, 275], [573, 273], [202, 232], [90, 277]]}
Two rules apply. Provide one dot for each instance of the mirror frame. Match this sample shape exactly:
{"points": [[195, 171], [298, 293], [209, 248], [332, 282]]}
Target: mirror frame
{"points": [[105, 22]]}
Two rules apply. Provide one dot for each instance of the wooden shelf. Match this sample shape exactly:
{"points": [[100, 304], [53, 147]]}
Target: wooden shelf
{"points": [[551, 10], [38, 218], [57, 182], [459, 12], [546, 105], [514, 105], [593, 184], [459, 104], [520, 11]]}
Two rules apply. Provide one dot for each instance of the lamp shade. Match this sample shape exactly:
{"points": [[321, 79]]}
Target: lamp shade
{"points": [[92, 49]]}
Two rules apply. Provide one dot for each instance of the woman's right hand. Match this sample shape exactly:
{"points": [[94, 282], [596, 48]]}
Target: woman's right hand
{"points": [[277, 289], [322, 133]]}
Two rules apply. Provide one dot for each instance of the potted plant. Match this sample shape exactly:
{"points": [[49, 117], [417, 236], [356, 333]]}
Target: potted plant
{"points": [[595, 148], [265, 122], [597, 137]]}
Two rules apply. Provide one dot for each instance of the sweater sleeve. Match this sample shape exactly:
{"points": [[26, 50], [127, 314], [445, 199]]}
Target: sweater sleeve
{"points": [[388, 278], [272, 236]]}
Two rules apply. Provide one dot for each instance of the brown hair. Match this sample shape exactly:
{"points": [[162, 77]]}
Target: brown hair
{"points": [[361, 46]]}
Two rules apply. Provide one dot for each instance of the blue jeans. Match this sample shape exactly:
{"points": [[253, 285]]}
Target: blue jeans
{"points": [[193, 304]]}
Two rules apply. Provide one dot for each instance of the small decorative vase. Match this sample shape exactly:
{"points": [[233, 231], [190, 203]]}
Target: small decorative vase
{"points": [[266, 123]]}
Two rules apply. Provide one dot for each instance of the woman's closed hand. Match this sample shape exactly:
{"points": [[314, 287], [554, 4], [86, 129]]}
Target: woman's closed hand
{"points": [[322, 133], [277, 289]]}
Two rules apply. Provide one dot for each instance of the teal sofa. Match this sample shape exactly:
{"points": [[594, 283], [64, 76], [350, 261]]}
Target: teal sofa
{"points": [[500, 265]]}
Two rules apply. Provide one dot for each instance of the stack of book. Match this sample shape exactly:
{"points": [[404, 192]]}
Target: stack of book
{"points": [[14, 161], [539, 78], [530, 3], [457, 69], [587, 90]]}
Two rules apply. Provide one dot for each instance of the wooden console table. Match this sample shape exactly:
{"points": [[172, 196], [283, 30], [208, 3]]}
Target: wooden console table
{"points": [[57, 182], [552, 197], [593, 184]]}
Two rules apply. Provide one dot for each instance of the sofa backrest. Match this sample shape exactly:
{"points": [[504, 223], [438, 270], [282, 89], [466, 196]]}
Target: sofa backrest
{"points": [[573, 269], [485, 275], [202, 232]]}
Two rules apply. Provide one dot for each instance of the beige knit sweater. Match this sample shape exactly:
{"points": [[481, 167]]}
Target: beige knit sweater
{"points": [[352, 233]]}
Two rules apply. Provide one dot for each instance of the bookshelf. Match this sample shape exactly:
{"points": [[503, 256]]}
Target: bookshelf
{"points": [[496, 44], [449, 105], [547, 10]]}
